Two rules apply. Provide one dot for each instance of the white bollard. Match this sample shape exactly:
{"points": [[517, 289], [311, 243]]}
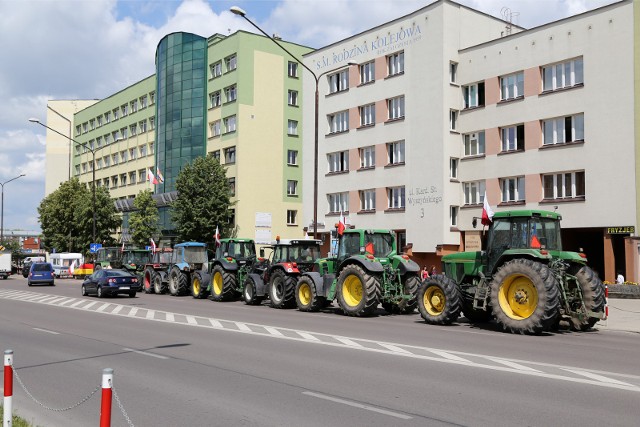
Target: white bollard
{"points": [[8, 388]]}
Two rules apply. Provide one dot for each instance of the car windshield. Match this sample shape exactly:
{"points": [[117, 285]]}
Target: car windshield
{"points": [[520, 233], [117, 273], [41, 267], [164, 257], [241, 250], [304, 253], [195, 254], [137, 257], [382, 244]]}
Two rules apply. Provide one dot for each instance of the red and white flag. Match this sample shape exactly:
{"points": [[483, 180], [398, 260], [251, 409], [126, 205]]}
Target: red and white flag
{"points": [[487, 213], [153, 245], [151, 177], [217, 236], [341, 224], [72, 267], [159, 176], [122, 248]]}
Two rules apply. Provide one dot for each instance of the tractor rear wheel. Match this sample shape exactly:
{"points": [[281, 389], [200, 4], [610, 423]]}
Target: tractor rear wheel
{"points": [[592, 294], [524, 297], [223, 284], [411, 285], [249, 294], [282, 289], [199, 285], [147, 281], [439, 301], [159, 284], [177, 282], [307, 298], [358, 291]]}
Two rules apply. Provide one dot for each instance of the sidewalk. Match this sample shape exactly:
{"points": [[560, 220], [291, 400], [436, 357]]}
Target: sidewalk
{"points": [[624, 315]]}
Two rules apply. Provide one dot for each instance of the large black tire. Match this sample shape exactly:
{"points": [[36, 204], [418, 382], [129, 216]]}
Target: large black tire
{"points": [[223, 284], [159, 285], [592, 294], [525, 297], [411, 285], [147, 281], [307, 298], [199, 281], [282, 290], [177, 282], [249, 293], [358, 291], [439, 301]]}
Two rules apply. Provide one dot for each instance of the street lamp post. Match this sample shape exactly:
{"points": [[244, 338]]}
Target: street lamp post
{"points": [[237, 11], [2, 206], [93, 171]]}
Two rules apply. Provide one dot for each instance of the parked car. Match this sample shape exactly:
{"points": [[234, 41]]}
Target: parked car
{"points": [[111, 282], [41, 273]]}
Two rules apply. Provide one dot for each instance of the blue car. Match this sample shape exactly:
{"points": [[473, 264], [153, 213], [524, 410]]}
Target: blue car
{"points": [[41, 273], [111, 282]]}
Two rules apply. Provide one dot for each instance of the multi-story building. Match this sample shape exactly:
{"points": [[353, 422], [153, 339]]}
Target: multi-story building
{"points": [[235, 97], [447, 103]]}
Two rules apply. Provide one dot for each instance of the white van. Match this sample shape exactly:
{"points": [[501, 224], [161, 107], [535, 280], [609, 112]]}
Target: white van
{"points": [[62, 261], [32, 259]]}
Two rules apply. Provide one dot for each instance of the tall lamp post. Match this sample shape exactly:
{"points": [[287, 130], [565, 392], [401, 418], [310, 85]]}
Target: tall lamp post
{"points": [[93, 170], [2, 206], [237, 11]]}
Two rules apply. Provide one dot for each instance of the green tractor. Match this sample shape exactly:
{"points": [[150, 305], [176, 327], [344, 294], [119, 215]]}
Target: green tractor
{"points": [[366, 271], [524, 279], [131, 260]]}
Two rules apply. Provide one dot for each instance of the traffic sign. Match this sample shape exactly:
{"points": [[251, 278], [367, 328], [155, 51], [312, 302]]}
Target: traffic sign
{"points": [[93, 247]]}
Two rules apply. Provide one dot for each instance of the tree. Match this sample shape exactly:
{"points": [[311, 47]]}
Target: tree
{"points": [[66, 217], [143, 223], [203, 201]]}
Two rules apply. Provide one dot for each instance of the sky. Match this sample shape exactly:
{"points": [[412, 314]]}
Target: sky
{"points": [[90, 49]]}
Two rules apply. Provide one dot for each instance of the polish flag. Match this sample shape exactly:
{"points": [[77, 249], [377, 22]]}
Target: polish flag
{"points": [[341, 224], [150, 177], [159, 176], [217, 236], [72, 268], [487, 213], [153, 245]]}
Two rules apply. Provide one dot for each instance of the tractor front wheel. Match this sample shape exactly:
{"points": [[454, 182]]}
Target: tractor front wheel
{"points": [[199, 285], [147, 280], [223, 284], [307, 297], [524, 297], [282, 290], [592, 295], [439, 300], [249, 293], [159, 284], [358, 291], [177, 282]]}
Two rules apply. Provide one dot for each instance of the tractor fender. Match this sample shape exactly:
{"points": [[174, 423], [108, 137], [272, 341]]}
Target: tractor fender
{"points": [[318, 282], [206, 279], [365, 263], [261, 289], [163, 276], [226, 265], [408, 267]]}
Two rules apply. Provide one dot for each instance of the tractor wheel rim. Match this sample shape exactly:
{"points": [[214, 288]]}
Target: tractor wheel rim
{"points": [[147, 282], [278, 293], [196, 286], [217, 283], [434, 301], [518, 297], [304, 293], [352, 290]]}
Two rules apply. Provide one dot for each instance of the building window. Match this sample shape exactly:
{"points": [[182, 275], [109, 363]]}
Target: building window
{"points": [[152, 123], [143, 101], [230, 93], [216, 155], [78, 130], [367, 115], [107, 139], [230, 155], [563, 129], [453, 168], [395, 64], [473, 192], [563, 75], [105, 182], [114, 159], [291, 217], [338, 162], [512, 86], [152, 98], [142, 175], [123, 179], [292, 187], [151, 148], [134, 105], [395, 153], [292, 127], [107, 117], [92, 144], [512, 138], [143, 126], [453, 119], [231, 63], [512, 189], [114, 181], [214, 99], [338, 202], [367, 157], [107, 161], [473, 95], [453, 72], [124, 156], [293, 97], [292, 157], [215, 128], [292, 69], [338, 122], [232, 185], [367, 72], [396, 197], [132, 153], [216, 69], [368, 200], [453, 216], [99, 141], [92, 124], [395, 106], [229, 124], [565, 185], [99, 119], [124, 132], [143, 150], [133, 129], [339, 81], [125, 110], [84, 127], [474, 144], [132, 178]]}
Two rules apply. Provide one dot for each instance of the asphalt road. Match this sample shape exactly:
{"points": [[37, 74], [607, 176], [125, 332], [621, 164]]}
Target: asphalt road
{"points": [[185, 362]]}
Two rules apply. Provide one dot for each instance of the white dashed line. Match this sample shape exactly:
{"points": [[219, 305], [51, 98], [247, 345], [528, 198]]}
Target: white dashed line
{"points": [[357, 405], [307, 336], [145, 353], [395, 348], [191, 320], [449, 356], [103, 307], [273, 331], [597, 377], [347, 341], [242, 327], [47, 331], [513, 365]]}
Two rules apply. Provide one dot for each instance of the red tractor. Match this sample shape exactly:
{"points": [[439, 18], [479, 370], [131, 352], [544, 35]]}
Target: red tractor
{"points": [[156, 277]]}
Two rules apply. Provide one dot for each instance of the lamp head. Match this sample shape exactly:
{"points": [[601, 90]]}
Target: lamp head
{"points": [[237, 11], [34, 120]]}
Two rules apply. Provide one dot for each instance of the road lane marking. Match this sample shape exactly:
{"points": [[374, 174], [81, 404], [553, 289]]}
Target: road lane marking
{"points": [[191, 320], [307, 336], [273, 331], [67, 301], [133, 312], [450, 356], [395, 348], [56, 301], [88, 306], [170, 317], [145, 353], [513, 365], [357, 405], [348, 342], [103, 307], [243, 327], [117, 309], [47, 331], [216, 324], [151, 314], [77, 303], [597, 377]]}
